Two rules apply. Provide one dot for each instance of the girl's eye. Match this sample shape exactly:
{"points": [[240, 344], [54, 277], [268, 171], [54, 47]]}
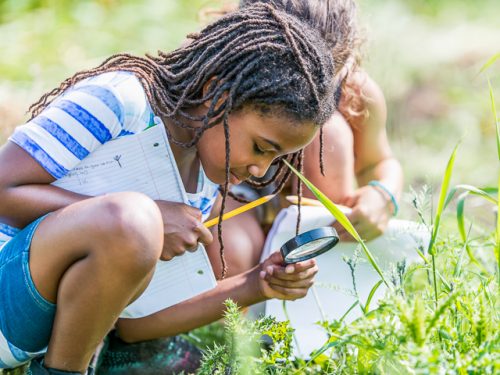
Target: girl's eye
{"points": [[257, 149]]}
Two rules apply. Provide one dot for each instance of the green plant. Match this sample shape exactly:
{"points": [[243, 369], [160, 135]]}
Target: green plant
{"points": [[250, 347], [406, 334]]}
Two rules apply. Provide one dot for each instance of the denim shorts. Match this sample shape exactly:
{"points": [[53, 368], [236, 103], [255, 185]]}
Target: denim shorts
{"points": [[26, 318]]}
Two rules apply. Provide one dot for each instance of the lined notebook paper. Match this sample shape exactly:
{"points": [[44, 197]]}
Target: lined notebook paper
{"points": [[144, 163]]}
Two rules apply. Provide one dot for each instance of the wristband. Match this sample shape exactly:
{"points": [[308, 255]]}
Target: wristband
{"points": [[378, 184]]}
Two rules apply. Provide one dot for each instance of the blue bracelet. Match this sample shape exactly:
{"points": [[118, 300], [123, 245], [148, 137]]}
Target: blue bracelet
{"points": [[388, 192]]}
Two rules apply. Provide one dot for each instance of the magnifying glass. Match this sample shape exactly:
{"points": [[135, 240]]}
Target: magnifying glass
{"points": [[309, 244]]}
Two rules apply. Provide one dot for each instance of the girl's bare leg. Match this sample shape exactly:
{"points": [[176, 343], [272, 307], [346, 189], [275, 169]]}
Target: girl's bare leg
{"points": [[93, 258]]}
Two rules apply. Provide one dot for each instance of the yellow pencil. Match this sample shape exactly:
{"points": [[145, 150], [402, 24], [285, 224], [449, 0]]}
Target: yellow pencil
{"points": [[294, 199], [239, 210]]}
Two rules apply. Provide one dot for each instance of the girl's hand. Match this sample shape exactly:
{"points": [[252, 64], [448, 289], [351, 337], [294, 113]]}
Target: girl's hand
{"points": [[370, 214], [288, 282], [182, 228]]}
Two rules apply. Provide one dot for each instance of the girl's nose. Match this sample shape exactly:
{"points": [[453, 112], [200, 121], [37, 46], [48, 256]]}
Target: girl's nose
{"points": [[259, 170]]}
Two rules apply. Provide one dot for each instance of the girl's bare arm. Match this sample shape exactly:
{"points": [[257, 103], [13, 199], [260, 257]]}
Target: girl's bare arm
{"points": [[374, 159], [267, 280], [193, 313], [25, 190]]}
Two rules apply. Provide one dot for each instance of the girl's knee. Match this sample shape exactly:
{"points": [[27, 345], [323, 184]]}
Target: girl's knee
{"points": [[244, 244], [131, 227]]}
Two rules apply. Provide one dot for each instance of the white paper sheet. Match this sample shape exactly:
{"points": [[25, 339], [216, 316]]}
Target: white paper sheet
{"points": [[144, 163]]}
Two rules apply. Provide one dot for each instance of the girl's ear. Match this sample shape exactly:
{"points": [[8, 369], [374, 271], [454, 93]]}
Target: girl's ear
{"points": [[206, 88]]}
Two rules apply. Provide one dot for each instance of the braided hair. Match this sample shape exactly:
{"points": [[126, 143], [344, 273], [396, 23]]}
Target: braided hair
{"points": [[258, 56], [336, 22]]}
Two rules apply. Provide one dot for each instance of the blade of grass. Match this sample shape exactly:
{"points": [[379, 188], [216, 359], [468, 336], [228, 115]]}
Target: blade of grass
{"points": [[483, 193], [458, 266], [490, 62], [341, 218], [461, 228], [450, 196], [427, 262], [442, 199], [349, 310], [287, 317], [497, 125], [329, 344], [486, 193], [370, 296], [498, 229], [495, 116]]}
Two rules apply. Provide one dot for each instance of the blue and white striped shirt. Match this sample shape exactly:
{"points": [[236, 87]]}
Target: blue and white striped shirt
{"points": [[89, 114]]}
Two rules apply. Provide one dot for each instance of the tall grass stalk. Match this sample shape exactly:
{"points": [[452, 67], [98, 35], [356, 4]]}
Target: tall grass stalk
{"points": [[498, 230], [465, 248], [341, 218], [497, 127], [490, 62], [366, 308], [483, 193], [287, 317], [441, 204], [495, 116]]}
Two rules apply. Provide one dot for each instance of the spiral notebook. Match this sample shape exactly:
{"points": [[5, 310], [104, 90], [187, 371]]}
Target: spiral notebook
{"points": [[144, 163]]}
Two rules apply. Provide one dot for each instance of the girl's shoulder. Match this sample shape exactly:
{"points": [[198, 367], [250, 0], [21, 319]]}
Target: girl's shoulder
{"points": [[124, 91], [361, 98]]}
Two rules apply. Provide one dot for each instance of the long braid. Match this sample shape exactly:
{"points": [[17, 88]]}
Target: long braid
{"points": [[258, 56], [321, 151], [300, 165], [223, 204]]}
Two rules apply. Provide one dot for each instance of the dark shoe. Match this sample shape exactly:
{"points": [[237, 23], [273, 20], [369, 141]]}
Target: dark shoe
{"points": [[166, 356], [36, 367]]}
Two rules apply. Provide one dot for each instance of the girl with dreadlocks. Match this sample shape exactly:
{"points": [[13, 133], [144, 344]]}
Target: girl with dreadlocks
{"points": [[354, 147], [249, 90]]}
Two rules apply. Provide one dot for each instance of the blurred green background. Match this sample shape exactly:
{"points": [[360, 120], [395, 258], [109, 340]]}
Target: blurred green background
{"points": [[425, 54]]}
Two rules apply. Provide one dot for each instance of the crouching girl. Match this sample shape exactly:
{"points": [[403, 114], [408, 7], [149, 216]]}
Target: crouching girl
{"points": [[251, 89]]}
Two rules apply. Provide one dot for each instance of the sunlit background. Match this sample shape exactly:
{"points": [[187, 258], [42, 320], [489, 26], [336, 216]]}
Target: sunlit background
{"points": [[425, 54]]}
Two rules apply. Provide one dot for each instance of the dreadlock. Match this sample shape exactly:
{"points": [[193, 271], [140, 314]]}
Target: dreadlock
{"points": [[257, 56]]}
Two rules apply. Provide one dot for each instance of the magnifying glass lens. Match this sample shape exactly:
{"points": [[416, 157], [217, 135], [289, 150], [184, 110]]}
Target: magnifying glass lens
{"points": [[309, 248], [309, 244]]}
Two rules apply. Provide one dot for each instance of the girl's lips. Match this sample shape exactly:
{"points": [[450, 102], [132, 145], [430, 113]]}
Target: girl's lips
{"points": [[234, 180]]}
